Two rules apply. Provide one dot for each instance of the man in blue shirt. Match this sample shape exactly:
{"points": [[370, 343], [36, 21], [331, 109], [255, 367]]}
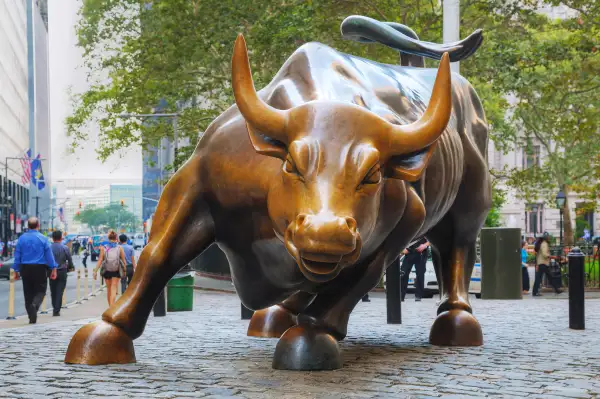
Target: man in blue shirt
{"points": [[129, 259], [33, 259]]}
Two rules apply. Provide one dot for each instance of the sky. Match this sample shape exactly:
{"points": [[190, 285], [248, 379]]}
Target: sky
{"points": [[67, 73]]}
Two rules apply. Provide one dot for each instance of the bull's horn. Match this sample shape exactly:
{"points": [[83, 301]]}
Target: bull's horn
{"points": [[258, 114], [425, 131]]}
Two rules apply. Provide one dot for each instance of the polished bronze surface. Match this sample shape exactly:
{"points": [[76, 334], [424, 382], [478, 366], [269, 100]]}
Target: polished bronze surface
{"points": [[100, 343], [271, 322], [312, 187], [456, 328], [306, 347]]}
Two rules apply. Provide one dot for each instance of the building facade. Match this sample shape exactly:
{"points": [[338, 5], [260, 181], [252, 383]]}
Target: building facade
{"points": [[23, 112], [534, 218]]}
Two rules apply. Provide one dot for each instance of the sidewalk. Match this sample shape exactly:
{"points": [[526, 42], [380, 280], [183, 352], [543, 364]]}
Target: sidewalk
{"points": [[528, 351], [93, 307]]}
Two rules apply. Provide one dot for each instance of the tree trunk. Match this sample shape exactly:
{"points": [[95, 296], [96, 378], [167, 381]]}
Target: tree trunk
{"points": [[568, 225]]}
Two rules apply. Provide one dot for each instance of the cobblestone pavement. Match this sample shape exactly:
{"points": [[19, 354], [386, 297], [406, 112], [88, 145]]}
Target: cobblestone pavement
{"points": [[528, 352]]}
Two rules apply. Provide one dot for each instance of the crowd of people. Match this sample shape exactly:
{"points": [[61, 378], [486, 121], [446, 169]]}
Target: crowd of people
{"points": [[38, 261]]}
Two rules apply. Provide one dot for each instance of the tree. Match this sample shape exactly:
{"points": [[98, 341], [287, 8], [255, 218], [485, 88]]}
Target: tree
{"points": [[494, 218], [557, 96], [110, 217], [177, 53]]}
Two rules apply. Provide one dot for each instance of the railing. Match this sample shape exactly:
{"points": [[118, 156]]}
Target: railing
{"points": [[559, 262]]}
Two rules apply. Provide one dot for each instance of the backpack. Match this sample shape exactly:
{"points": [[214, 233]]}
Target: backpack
{"points": [[112, 260]]}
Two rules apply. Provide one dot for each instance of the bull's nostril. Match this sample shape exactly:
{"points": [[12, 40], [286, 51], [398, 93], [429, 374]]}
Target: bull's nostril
{"points": [[301, 219], [351, 224]]}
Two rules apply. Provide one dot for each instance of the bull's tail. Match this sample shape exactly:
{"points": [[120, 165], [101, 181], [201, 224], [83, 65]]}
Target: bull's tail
{"points": [[402, 38]]}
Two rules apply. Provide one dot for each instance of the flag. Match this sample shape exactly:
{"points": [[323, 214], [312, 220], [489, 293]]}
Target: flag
{"points": [[61, 215], [26, 165], [37, 175]]}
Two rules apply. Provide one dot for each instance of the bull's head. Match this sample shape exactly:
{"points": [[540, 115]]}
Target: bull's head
{"points": [[325, 202]]}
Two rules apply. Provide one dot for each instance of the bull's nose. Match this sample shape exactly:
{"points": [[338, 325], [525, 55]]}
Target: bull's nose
{"points": [[325, 234]]}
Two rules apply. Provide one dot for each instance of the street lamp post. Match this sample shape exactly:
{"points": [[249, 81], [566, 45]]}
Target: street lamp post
{"points": [[561, 199]]}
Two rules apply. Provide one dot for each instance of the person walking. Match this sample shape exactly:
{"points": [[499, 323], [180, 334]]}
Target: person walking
{"points": [[62, 257], [33, 259], [112, 264], [524, 269], [129, 262], [542, 250], [415, 255], [86, 253]]}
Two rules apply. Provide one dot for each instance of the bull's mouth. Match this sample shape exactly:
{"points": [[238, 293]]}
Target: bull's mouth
{"points": [[317, 267]]}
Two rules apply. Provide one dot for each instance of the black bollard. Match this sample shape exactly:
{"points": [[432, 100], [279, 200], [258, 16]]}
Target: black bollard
{"points": [[576, 289], [160, 306], [393, 295], [246, 313]]}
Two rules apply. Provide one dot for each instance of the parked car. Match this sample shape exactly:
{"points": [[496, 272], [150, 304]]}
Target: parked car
{"points": [[5, 266], [139, 241], [97, 241], [431, 284]]}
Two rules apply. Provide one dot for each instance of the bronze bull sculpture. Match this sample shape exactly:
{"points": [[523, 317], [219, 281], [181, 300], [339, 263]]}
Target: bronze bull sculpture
{"points": [[312, 187]]}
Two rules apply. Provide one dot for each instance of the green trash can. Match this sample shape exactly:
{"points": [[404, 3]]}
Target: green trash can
{"points": [[180, 292]]}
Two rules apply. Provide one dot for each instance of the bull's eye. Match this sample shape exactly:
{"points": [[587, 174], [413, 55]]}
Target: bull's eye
{"points": [[290, 167], [373, 177]]}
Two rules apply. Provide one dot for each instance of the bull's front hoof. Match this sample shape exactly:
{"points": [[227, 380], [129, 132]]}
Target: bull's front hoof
{"points": [[100, 343], [306, 347], [271, 322], [456, 328]]}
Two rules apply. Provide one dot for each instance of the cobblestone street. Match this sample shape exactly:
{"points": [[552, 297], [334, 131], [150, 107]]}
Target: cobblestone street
{"points": [[528, 352]]}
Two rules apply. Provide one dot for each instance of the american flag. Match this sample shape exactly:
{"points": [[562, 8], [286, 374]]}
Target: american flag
{"points": [[26, 165]]}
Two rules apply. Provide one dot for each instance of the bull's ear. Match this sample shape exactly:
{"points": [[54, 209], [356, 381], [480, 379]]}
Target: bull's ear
{"points": [[409, 167], [266, 145]]}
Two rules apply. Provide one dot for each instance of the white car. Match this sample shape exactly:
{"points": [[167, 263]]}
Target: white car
{"points": [[138, 241], [431, 285]]}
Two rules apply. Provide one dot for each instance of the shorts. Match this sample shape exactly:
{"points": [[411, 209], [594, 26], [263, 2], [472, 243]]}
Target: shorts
{"points": [[108, 275]]}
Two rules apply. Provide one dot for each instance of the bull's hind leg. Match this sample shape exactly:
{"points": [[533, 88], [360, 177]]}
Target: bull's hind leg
{"points": [[455, 325], [182, 229], [272, 322], [453, 242]]}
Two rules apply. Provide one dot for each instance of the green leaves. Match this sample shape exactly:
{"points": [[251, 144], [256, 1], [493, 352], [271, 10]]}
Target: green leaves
{"points": [[538, 78], [107, 218]]}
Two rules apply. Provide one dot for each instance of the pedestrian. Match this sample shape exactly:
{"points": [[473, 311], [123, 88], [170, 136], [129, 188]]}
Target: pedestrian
{"points": [[111, 263], [524, 269], [542, 250], [129, 261], [33, 260], [75, 246], [415, 255], [86, 253], [63, 259]]}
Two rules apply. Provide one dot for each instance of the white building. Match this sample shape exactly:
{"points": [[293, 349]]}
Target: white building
{"points": [[24, 115]]}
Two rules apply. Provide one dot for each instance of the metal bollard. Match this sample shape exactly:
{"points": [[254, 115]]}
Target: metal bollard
{"points": [[93, 287], [160, 306], [86, 293], [64, 298], [11, 297], [246, 313], [393, 294], [576, 289], [78, 288], [44, 306]]}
